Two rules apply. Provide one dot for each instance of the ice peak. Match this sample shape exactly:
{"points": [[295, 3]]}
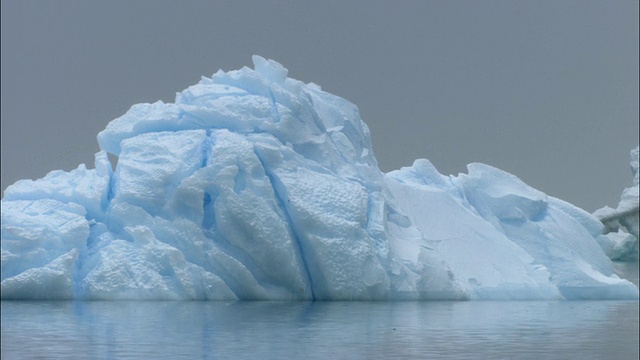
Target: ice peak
{"points": [[270, 69]]}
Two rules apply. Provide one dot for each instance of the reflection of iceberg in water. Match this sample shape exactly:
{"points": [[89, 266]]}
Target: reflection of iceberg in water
{"points": [[253, 185], [321, 330]]}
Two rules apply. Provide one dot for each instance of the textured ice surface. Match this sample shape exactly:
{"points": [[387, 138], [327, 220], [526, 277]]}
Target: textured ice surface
{"points": [[620, 241], [253, 185]]}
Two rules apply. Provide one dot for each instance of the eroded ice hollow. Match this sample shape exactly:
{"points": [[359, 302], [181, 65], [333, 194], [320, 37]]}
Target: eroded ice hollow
{"points": [[253, 185], [620, 241]]}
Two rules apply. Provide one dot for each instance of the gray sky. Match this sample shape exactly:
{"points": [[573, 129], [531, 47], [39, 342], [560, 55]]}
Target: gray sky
{"points": [[547, 90]]}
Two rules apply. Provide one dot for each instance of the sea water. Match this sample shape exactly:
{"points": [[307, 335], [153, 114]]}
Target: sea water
{"points": [[320, 330]]}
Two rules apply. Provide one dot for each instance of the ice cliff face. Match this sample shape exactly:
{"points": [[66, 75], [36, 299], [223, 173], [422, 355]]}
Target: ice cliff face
{"points": [[621, 224], [253, 185]]}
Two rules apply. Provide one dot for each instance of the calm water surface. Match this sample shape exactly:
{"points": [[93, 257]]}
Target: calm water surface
{"points": [[320, 330]]}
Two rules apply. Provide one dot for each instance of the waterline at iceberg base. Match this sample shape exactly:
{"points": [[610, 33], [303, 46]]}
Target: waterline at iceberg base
{"points": [[253, 185]]}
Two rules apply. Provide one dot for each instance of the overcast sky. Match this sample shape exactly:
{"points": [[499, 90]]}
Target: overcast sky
{"points": [[547, 90]]}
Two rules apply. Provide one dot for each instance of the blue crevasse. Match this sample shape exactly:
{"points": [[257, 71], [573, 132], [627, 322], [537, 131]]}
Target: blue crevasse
{"points": [[253, 185]]}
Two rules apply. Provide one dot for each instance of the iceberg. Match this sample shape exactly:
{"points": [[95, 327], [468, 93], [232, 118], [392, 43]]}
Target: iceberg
{"points": [[256, 186], [620, 240]]}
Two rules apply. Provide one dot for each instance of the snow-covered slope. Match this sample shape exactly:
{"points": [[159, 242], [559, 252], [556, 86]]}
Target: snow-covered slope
{"points": [[253, 185]]}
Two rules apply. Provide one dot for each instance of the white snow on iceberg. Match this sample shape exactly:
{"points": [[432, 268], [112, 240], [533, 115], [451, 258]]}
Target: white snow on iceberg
{"points": [[253, 185]]}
